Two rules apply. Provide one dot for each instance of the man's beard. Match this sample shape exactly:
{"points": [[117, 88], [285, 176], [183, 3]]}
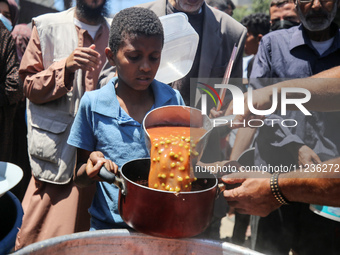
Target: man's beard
{"points": [[320, 25], [91, 14]]}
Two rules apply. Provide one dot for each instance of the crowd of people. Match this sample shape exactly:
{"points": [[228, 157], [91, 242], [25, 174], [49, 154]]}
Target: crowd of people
{"points": [[81, 102]]}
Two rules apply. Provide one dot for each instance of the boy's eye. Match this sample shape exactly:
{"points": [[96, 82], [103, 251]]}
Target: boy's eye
{"points": [[155, 57], [133, 57]]}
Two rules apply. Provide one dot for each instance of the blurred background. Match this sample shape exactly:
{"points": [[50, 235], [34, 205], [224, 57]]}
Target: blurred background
{"points": [[32, 8]]}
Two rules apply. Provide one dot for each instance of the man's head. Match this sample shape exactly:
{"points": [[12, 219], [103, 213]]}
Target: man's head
{"points": [[257, 25], [91, 10], [226, 6], [283, 14], [316, 15], [187, 6]]}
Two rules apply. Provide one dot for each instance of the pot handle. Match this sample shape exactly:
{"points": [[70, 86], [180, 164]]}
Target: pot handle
{"points": [[223, 186], [110, 177]]}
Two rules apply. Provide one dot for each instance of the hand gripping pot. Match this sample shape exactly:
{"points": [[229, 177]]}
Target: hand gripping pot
{"points": [[180, 45], [164, 213]]}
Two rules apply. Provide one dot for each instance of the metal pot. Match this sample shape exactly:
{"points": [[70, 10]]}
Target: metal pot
{"points": [[122, 242], [163, 213]]}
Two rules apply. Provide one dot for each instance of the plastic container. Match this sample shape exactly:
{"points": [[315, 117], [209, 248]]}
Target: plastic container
{"points": [[180, 46], [10, 221], [328, 212], [10, 175]]}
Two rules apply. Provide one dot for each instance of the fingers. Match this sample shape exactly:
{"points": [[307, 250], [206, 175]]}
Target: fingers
{"points": [[233, 179], [215, 114], [85, 58], [96, 162], [111, 166], [93, 169], [316, 159], [95, 156]]}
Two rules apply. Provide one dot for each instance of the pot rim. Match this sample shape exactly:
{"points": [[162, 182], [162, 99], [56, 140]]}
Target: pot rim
{"points": [[165, 191], [188, 108]]}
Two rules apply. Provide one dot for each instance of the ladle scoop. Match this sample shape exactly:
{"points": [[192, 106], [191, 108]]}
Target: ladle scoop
{"points": [[175, 115]]}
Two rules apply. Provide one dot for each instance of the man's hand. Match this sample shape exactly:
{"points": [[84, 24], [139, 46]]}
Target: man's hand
{"points": [[253, 197], [307, 156], [302, 154], [85, 58]]}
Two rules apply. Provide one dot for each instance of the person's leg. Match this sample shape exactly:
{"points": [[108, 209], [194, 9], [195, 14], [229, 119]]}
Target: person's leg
{"points": [[51, 210], [240, 228], [317, 234], [275, 233]]}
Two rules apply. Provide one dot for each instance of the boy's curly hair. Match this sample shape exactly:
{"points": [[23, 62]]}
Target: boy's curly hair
{"points": [[257, 23], [133, 22]]}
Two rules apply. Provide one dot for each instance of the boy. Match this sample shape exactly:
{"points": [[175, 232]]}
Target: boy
{"points": [[107, 129]]}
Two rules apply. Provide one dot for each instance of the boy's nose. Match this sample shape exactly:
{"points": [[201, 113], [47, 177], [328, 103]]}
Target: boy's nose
{"points": [[145, 66]]}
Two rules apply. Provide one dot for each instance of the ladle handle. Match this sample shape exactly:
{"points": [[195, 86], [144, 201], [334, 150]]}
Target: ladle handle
{"points": [[106, 175], [110, 177]]}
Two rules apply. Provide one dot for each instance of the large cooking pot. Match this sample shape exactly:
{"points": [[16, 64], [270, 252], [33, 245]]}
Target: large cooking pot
{"points": [[122, 242], [163, 213]]}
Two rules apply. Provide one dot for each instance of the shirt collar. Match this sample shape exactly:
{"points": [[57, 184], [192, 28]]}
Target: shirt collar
{"points": [[106, 102], [299, 38]]}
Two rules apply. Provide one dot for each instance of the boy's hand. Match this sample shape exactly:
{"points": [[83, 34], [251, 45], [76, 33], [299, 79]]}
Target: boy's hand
{"points": [[214, 113], [95, 162], [85, 58]]}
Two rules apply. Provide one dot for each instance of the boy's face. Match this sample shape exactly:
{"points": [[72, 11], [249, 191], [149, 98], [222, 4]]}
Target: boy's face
{"points": [[252, 43], [137, 61]]}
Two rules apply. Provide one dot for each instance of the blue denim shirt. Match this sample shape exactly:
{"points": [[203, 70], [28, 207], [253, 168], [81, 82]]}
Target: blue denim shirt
{"points": [[287, 54], [102, 125]]}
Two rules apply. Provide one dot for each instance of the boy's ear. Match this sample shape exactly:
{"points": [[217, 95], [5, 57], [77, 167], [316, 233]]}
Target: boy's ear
{"points": [[109, 56]]}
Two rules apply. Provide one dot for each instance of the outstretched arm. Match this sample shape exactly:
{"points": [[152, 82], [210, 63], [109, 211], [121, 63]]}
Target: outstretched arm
{"points": [[255, 197], [324, 88], [44, 84]]}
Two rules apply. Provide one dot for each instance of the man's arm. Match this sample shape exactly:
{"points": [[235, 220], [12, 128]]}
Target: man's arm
{"points": [[43, 85], [324, 88], [243, 141], [10, 87], [255, 197]]}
